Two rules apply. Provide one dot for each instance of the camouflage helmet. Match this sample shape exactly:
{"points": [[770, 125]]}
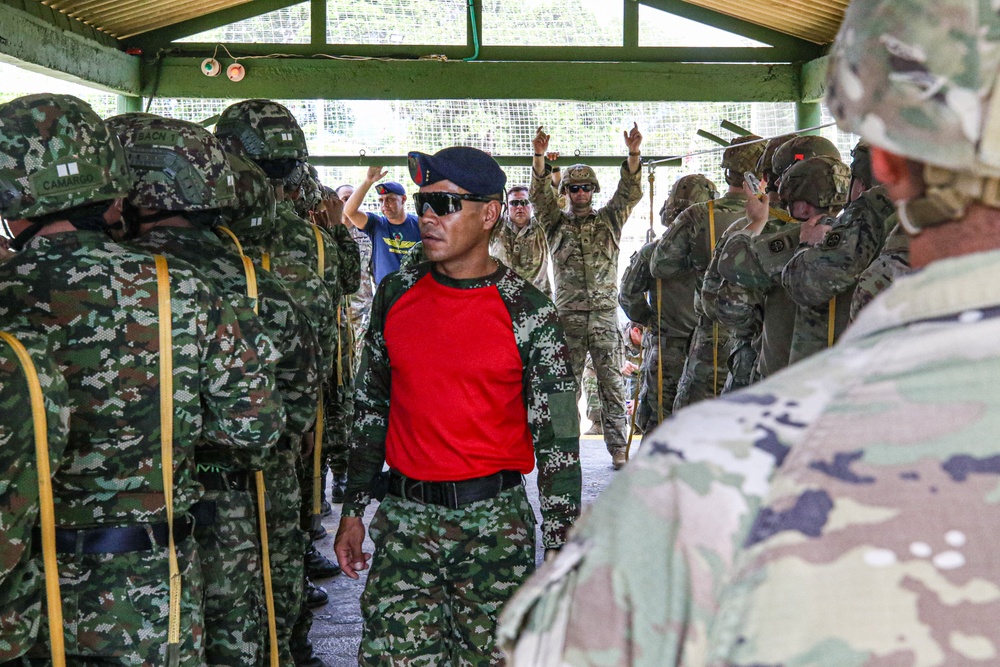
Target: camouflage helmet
{"points": [[687, 191], [56, 154], [741, 156], [822, 181], [801, 148], [263, 130], [310, 193], [764, 164], [861, 164], [919, 80], [578, 174], [177, 165], [252, 212]]}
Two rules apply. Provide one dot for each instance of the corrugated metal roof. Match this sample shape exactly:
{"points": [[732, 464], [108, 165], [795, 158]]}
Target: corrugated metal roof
{"points": [[813, 20], [125, 18]]}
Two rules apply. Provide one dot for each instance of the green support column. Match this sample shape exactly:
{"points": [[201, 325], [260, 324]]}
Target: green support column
{"points": [[808, 114], [129, 103]]}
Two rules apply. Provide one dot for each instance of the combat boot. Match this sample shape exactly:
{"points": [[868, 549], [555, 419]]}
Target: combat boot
{"points": [[316, 596], [619, 458], [303, 652], [595, 429], [319, 566]]}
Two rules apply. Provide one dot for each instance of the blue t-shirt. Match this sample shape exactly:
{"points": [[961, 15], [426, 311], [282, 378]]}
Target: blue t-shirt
{"points": [[390, 242]]}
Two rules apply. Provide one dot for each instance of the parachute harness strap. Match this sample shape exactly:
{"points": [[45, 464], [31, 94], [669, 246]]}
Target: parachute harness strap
{"points": [[167, 452], [715, 325], [265, 550], [832, 321], [318, 432], [228, 232], [45, 501]]}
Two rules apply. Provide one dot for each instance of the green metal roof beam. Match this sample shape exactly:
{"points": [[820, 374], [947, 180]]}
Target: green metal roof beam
{"points": [[428, 79], [731, 24], [814, 79], [511, 53], [156, 39], [36, 44]]}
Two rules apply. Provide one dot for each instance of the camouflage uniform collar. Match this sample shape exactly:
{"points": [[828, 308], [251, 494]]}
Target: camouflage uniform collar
{"points": [[77, 239], [470, 283], [518, 231], [960, 290]]}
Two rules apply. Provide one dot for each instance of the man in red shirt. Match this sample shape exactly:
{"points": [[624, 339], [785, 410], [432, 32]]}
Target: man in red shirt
{"points": [[459, 424]]}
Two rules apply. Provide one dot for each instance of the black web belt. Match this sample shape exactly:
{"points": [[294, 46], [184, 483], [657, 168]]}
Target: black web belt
{"points": [[228, 480], [453, 495], [126, 539]]}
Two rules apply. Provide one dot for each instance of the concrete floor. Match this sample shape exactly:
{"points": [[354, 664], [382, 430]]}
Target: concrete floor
{"points": [[336, 629]]}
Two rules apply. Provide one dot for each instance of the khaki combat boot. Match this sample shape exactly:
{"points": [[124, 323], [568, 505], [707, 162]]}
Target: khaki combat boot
{"points": [[619, 458]]}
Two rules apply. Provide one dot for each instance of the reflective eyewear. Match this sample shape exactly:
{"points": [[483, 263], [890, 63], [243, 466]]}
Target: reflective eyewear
{"points": [[443, 203], [514, 203], [586, 187]]}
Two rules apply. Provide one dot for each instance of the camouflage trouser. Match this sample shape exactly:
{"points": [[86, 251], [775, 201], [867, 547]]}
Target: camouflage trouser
{"points": [[699, 380], [439, 578], [338, 411], [673, 351], [590, 392], [115, 608], [741, 363], [596, 331], [234, 589], [287, 541]]}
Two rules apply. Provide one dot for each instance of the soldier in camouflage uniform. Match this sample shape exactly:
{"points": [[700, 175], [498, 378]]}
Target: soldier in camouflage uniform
{"points": [[453, 546], [97, 303], [892, 262], [266, 133], [181, 222], [361, 301], [751, 261], [519, 241], [592, 398], [22, 581], [684, 254], [834, 251], [584, 247], [840, 513], [666, 311]]}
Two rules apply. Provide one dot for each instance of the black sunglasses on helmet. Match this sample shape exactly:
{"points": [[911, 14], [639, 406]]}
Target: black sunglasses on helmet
{"points": [[443, 203]]}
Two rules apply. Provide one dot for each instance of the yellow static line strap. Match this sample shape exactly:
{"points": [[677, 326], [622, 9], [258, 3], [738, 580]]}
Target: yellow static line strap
{"points": [[167, 452], [318, 455], [320, 252], [228, 232], [265, 549], [832, 322], [715, 325], [659, 349], [265, 260], [340, 353], [39, 420]]}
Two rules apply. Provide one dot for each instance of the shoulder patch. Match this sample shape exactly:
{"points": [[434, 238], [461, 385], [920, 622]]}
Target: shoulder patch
{"points": [[776, 246], [832, 240]]}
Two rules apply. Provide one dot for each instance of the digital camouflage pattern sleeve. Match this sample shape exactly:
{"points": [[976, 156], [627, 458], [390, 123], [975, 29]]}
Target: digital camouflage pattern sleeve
{"points": [[816, 274], [837, 513], [550, 397], [349, 258], [76, 286], [22, 586]]}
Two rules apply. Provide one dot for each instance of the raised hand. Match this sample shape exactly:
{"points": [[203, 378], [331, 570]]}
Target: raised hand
{"points": [[376, 174], [541, 142], [633, 139]]}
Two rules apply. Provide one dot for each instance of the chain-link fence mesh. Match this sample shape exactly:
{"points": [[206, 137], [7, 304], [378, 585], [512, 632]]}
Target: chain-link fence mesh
{"points": [[659, 28], [290, 25], [502, 127]]}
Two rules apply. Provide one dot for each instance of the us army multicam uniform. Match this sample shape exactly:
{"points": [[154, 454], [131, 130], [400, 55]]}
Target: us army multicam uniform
{"points": [[503, 527], [801, 499], [22, 585], [752, 267], [894, 261], [684, 252], [525, 250], [361, 301], [584, 256]]}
